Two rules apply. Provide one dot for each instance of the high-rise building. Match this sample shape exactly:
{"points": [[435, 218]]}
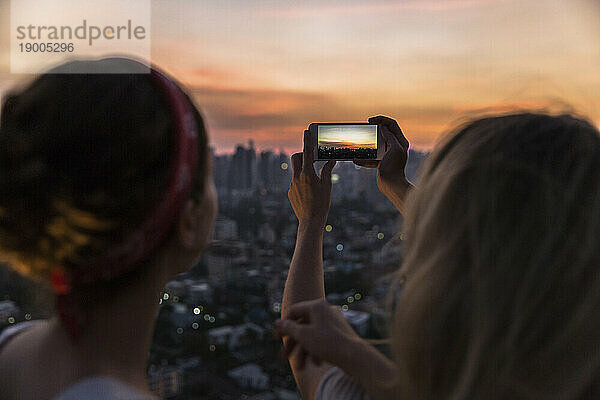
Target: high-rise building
{"points": [[283, 171], [242, 169], [266, 172]]}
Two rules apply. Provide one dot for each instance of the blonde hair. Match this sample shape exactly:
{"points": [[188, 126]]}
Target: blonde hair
{"points": [[501, 298]]}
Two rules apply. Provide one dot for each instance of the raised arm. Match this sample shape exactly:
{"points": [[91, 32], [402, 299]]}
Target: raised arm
{"points": [[310, 196]]}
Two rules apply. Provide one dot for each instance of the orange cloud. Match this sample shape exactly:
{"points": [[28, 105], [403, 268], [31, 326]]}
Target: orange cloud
{"points": [[276, 118]]}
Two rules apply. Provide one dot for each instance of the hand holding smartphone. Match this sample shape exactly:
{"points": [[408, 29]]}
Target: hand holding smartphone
{"points": [[378, 144]]}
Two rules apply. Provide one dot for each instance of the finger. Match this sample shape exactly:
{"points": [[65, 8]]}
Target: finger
{"points": [[287, 327], [390, 138], [326, 170], [393, 126], [302, 310], [366, 163], [286, 349], [282, 355], [289, 347], [297, 164], [307, 155], [302, 356], [386, 121]]}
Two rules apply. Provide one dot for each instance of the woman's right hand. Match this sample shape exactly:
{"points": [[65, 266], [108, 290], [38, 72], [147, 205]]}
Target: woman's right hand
{"points": [[391, 178], [309, 194], [317, 330]]}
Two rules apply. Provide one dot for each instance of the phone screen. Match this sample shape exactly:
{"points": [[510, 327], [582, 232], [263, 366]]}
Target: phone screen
{"points": [[347, 142]]}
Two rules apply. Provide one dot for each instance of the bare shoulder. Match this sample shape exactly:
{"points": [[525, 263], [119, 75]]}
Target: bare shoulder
{"points": [[18, 340], [19, 358]]}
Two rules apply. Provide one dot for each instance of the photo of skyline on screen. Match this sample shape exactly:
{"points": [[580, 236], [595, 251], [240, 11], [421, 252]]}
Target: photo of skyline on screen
{"points": [[347, 142]]}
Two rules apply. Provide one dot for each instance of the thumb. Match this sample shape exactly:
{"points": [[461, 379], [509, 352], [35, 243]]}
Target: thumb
{"points": [[286, 327], [366, 163], [326, 170]]}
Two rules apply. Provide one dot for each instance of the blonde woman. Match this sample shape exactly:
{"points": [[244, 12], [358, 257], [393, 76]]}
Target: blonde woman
{"points": [[501, 273]]}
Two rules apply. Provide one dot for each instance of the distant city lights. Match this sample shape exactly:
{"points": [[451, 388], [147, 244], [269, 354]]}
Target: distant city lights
{"points": [[335, 178], [345, 307], [196, 310], [358, 296], [11, 320], [380, 235], [166, 296], [284, 166], [328, 228], [179, 331], [27, 316], [212, 347], [339, 247], [276, 307], [195, 325]]}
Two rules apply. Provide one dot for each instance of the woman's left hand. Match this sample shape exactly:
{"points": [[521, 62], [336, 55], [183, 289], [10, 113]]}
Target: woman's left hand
{"points": [[310, 194], [320, 331]]}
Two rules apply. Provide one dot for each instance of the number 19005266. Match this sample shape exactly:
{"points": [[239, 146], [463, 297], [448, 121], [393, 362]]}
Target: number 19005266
{"points": [[46, 47]]}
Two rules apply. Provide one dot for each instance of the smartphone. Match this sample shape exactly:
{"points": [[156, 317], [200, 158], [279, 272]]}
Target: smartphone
{"points": [[345, 141]]}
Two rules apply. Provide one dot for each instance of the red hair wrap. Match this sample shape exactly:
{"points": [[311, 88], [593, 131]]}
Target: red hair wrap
{"points": [[126, 255]]}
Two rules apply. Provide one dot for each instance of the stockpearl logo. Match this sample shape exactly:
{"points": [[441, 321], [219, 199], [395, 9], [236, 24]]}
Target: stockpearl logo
{"points": [[45, 33]]}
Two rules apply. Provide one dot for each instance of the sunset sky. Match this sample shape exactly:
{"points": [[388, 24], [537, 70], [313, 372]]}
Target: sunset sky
{"points": [[264, 70], [348, 136]]}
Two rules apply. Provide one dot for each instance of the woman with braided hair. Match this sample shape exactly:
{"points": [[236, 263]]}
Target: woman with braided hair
{"points": [[105, 194]]}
